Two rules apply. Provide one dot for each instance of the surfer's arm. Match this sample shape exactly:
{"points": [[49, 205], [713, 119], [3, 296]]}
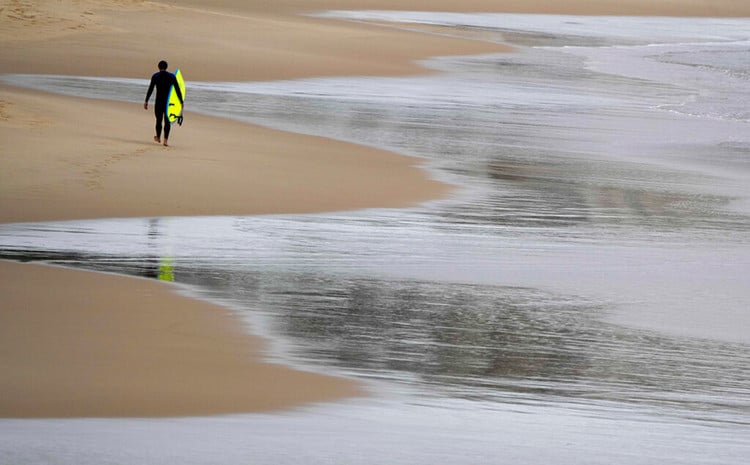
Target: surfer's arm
{"points": [[179, 92], [150, 90]]}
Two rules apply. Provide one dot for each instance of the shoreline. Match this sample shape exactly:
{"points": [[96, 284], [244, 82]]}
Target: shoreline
{"points": [[68, 158], [75, 158], [144, 350]]}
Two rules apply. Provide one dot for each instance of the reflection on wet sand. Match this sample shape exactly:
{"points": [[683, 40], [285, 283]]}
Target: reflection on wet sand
{"points": [[506, 344], [575, 192], [490, 342]]}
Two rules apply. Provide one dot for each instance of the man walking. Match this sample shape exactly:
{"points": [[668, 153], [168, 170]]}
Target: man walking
{"points": [[162, 81]]}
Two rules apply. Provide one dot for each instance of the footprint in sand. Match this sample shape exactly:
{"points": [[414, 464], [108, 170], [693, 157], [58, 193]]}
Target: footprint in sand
{"points": [[95, 175], [4, 110]]}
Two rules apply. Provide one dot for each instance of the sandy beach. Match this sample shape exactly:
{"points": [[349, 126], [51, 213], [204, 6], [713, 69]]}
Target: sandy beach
{"points": [[83, 344], [100, 345]]}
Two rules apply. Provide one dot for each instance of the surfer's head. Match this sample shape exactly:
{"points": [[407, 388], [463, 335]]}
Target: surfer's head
{"points": [[163, 65]]}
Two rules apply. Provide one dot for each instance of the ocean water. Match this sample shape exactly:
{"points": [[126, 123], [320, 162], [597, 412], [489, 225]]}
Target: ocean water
{"points": [[583, 299]]}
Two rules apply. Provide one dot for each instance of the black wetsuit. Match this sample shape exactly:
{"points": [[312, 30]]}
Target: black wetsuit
{"points": [[162, 80]]}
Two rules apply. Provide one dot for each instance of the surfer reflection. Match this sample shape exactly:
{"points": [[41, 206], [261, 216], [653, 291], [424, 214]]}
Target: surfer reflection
{"points": [[162, 80], [166, 270], [159, 267]]}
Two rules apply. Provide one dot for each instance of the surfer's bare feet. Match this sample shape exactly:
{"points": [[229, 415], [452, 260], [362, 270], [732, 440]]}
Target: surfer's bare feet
{"points": [[156, 139], [165, 143]]}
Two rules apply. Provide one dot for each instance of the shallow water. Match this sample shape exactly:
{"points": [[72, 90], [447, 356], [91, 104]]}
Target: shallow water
{"points": [[583, 300]]}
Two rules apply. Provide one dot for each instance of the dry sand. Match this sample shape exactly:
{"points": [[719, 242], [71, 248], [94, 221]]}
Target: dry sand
{"points": [[81, 344], [66, 158], [92, 344]]}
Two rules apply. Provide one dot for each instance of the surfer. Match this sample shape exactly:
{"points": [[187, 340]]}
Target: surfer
{"points": [[162, 80]]}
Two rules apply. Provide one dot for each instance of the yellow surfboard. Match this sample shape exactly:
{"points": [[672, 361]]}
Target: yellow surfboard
{"points": [[174, 107]]}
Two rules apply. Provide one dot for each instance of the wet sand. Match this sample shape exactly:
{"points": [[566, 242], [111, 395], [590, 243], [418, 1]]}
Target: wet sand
{"points": [[66, 158]]}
